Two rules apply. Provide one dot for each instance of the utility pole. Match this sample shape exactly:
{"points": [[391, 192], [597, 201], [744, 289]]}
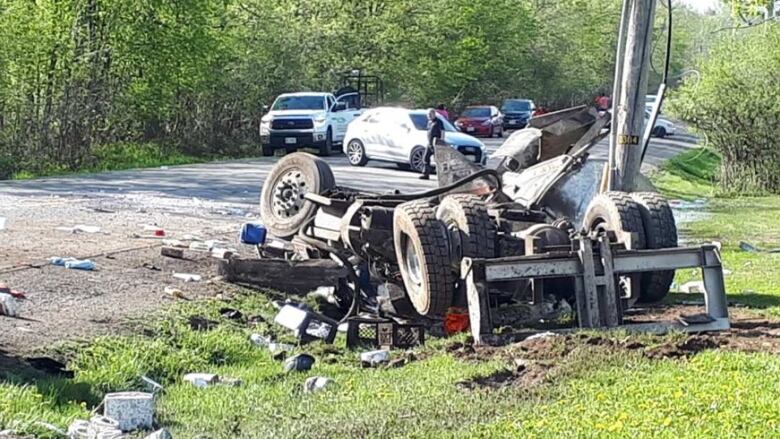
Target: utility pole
{"points": [[630, 88]]}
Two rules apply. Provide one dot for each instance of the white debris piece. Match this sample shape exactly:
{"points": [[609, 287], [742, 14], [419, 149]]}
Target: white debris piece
{"points": [[280, 347], [201, 380], [693, 287], [160, 434], [375, 358], [9, 305], [174, 243], [542, 335], [132, 410], [187, 277], [2, 222], [199, 246], [315, 384], [260, 340]]}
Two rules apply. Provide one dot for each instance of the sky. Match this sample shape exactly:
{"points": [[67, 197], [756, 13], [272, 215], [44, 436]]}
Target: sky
{"points": [[701, 5]]}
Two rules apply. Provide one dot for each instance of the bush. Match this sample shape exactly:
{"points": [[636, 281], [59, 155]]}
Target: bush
{"points": [[736, 104]]}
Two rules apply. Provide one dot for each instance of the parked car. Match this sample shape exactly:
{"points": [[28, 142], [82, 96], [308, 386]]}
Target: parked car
{"points": [[517, 112], [399, 135], [663, 127], [481, 120], [299, 120]]}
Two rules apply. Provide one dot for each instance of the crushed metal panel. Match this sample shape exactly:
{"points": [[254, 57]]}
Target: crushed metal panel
{"points": [[522, 147], [562, 129], [528, 186], [452, 166]]}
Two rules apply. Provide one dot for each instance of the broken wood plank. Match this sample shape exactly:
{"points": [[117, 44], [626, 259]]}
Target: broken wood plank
{"points": [[297, 277]]}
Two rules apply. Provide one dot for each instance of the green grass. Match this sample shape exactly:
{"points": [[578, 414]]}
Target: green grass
{"points": [[755, 277], [596, 391]]}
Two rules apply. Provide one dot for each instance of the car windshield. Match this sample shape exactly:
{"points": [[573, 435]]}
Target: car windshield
{"points": [[517, 106], [476, 112], [299, 103], [420, 122]]}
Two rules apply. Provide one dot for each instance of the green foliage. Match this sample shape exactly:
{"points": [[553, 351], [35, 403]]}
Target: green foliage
{"points": [[736, 103]]}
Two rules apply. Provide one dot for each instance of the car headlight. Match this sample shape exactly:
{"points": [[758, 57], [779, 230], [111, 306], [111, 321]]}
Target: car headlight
{"points": [[486, 123], [458, 123]]}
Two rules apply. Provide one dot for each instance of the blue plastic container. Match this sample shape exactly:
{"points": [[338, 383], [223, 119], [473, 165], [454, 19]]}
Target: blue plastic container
{"points": [[253, 234]]}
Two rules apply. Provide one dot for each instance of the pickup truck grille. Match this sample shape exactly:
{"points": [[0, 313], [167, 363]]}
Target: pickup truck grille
{"points": [[292, 124]]}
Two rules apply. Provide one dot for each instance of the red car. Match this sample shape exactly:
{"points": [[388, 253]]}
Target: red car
{"points": [[481, 120]]}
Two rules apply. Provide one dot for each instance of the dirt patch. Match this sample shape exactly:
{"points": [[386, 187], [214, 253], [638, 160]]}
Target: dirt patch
{"points": [[526, 375], [683, 349]]}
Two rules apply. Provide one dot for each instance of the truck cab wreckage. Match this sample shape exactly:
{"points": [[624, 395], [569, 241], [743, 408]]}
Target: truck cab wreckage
{"points": [[533, 229], [542, 225]]}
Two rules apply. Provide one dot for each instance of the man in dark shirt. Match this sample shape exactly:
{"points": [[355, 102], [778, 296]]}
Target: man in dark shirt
{"points": [[435, 135]]}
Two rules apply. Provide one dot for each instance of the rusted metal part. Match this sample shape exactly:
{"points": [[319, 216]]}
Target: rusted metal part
{"points": [[296, 277]]}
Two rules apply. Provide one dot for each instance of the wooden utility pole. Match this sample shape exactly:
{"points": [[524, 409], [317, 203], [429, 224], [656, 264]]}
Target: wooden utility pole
{"points": [[632, 62]]}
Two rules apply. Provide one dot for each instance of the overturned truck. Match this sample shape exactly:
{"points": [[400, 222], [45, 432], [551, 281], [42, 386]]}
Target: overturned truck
{"points": [[534, 226]]}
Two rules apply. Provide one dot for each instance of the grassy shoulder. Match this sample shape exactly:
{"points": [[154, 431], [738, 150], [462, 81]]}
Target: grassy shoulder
{"points": [[753, 277], [128, 155], [587, 389]]}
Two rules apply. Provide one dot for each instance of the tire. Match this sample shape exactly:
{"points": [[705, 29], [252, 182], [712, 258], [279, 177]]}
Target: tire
{"points": [[282, 206], [471, 232], [659, 132], [268, 151], [416, 159], [356, 153], [467, 221], [327, 147], [422, 251], [660, 232], [618, 212]]}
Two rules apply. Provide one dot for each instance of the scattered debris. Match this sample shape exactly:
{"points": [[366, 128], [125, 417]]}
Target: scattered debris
{"points": [[231, 314], [253, 234], [156, 231], [9, 305], [366, 332], [187, 277], [2, 222], [153, 386], [306, 324], [175, 243], [223, 253], [201, 380], [200, 323], [98, 427], [175, 293], [315, 384], [152, 267], [172, 252], [299, 363], [280, 348], [260, 340], [160, 434], [73, 263], [131, 410], [693, 287], [81, 228], [744, 246], [374, 358], [456, 320], [199, 246], [541, 335]]}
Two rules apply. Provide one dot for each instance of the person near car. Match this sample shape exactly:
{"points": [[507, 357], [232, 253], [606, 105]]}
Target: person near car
{"points": [[435, 136], [602, 102], [441, 109]]}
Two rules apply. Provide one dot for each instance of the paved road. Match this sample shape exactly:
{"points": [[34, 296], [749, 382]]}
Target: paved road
{"points": [[239, 182]]}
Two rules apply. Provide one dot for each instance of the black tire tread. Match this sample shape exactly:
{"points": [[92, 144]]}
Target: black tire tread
{"points": [[627, 212], [477, 227], [660, 232], [439, 279]]}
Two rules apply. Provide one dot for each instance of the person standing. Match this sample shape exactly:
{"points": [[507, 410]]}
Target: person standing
{"points": [[602, 102], [435, 136]]}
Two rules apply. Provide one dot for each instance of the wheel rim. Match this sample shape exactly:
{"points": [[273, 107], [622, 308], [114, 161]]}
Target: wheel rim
{"points": [[412, 263], [289, 191], [355, 152], [418, 160]]}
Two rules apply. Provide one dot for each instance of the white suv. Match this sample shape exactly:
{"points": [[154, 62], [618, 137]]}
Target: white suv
{"points": [[300, 120]]}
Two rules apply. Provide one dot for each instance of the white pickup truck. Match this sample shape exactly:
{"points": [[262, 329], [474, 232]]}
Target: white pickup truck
{"points": [[306, 120]]}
